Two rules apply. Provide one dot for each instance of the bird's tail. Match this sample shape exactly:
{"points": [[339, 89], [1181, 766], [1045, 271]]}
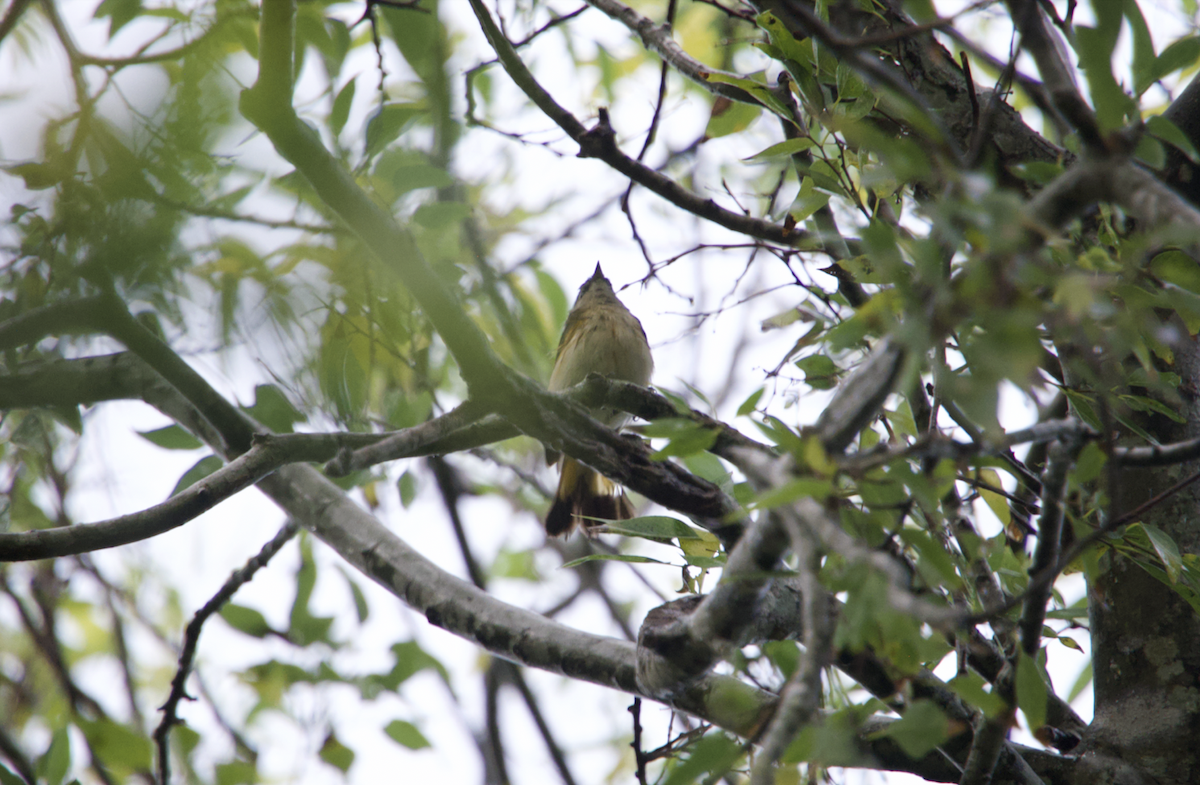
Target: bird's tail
{"points": [[584, 494]]}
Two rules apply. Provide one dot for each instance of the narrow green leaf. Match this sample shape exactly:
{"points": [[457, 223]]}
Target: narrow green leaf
{"points": [[245, 620], [995, 502], [1166, 549], [751, 403], [238, 772], [1081, 682], [406, 734], [1031, 691], [625, 557], [341, 109], [1180, 54], [785, 148], [200, 469], [1168, 132], [336, 754], [117, 744], [53, 764], [1144, 59], [361, 608], [730, 119], [407, 485], [172, 437], [386, 125], [655, 527], [799, 488]]}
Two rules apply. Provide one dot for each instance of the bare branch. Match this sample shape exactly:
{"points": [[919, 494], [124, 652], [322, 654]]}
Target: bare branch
{"points": [[658, 39], [600, 142], [1054, 487], [262, 458], [1057, 75], [162, 734]]}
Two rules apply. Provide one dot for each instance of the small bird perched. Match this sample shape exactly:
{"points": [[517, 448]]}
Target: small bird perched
{"points": [[600, 336]]}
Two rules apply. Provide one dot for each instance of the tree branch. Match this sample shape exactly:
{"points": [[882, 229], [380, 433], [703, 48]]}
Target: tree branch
{"points": [[801, 696], [264, 457], [162, 734], [600, 142], [659, 40]]}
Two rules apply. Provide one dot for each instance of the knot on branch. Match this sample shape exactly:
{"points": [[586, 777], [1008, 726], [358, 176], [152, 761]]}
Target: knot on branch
{"points": [[601, 140], [669, 658]]}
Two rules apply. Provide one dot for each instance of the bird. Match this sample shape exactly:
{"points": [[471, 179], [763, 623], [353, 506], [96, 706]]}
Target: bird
{"points": [[600, 336]]}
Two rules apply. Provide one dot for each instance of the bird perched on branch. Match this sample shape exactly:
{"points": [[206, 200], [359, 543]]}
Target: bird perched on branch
{"points": [[601, 336]]}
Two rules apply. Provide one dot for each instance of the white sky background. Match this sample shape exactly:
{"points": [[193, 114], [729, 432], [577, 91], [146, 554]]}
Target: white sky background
{"points": [[119, 472]]}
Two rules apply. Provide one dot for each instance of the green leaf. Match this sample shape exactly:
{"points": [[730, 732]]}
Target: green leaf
{"points": [[245, 620], [1081, 683], [934, 563], [820, 372], [1167, 551], [518, 565], [410, 660], [552, 290], [336, 754], [53, 764], [388, 122], [119, 13], [238, 772], [714, 753], [1144, 59], [8, 778], [685, 437], [757, 89], [414, 178], [799, 488], [973, 689], [920, 730], [273, 409], [39, 175], [341, 111], [1180, 54], [438, 215], [407, 485], [707, 466], [833, 742], [730, 118], [1095, 47], [305, 628], [1168, 132], [1031, 691], [782, 149], [751, 403], [117, 745], [625, 557], [406, 734], [172, 437], [995, 502], [361, 608], [1150, 152], [652, 527], [200, 469]]}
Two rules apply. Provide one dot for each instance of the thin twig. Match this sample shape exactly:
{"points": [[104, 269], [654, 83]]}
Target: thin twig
{"points": [[162, 734]]}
